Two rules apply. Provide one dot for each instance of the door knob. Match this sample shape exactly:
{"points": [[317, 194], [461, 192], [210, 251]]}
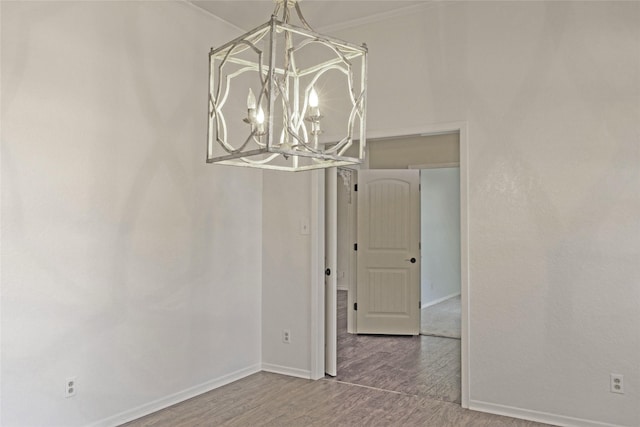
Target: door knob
{"points": [[412, 260], [327, 272]]}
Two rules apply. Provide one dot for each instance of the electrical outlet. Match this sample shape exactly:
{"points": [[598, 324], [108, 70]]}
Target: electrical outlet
{"points": [[617, 383], [286, 336], [70, 387]]}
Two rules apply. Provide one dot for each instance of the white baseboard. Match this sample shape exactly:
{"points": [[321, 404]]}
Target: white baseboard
{"points": [[439, 300], [285, 370], [541, 417], [172, 399]]}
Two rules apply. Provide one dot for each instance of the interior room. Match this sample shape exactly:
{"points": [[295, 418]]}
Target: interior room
{"points": [[137, 275]]}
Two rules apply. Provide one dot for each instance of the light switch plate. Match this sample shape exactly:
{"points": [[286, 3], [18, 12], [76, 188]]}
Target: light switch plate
{"points": [[304, 226]]}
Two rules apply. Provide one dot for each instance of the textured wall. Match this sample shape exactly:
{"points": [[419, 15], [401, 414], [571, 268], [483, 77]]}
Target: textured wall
{"points": [[551, 94], [126, 260]]}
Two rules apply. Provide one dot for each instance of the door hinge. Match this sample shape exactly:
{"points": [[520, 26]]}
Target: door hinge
{"points": [[355, 246], [420, 305], [355, 306], [355, 187], [420, 245]]}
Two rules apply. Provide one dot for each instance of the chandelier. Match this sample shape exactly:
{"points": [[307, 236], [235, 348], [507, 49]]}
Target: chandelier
{"points": [[287, 98]]}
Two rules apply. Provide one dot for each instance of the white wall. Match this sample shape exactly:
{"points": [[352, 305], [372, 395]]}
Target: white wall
{"points": [[551, 94], [126, 260], [439, 234], [286, 254], [416, 151]]}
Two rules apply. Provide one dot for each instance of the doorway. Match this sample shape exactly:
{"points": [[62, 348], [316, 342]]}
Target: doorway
{"points": [[417, 163], [440, 252]]}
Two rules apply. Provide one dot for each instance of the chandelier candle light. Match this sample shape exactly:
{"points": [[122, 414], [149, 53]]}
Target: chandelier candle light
{"points": [[286, 73]]}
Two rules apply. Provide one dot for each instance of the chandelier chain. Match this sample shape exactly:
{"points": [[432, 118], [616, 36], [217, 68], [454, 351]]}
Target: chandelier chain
{"points": [[286, 5]]}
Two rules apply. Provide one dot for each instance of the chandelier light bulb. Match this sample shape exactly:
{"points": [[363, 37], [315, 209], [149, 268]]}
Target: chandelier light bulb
{"points": [[313, 104], [313, 98], [259, 128], [251, 100], [260, 116]]}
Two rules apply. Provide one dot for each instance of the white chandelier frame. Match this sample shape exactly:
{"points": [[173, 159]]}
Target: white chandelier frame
{"points": [[293, 144]]}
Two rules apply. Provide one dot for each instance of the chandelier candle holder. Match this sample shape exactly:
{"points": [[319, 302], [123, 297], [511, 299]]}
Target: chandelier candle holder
{"points": [[266, 91]]}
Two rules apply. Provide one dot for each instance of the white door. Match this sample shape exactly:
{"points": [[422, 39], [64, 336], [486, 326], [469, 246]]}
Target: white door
{"points": [[388, 255], [331, 267]]}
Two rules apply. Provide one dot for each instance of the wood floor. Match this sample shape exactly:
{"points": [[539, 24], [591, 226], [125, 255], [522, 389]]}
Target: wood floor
{"points": [[421, 366], [382, 381], [265, 399], [442, 319]]}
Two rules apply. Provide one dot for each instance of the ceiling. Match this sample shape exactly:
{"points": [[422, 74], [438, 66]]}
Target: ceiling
{"points": [[320, 14]]}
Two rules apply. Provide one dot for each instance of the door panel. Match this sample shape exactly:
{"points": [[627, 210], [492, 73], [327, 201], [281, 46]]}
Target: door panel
{"points": [[388, 280], [331, 266]]}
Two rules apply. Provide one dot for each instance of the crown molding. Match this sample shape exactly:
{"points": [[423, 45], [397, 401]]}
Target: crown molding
{"points": [[402, 11], [191, 4]]}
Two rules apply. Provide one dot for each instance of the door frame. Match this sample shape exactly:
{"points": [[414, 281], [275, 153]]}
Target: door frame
{"points": [[317, 251]]}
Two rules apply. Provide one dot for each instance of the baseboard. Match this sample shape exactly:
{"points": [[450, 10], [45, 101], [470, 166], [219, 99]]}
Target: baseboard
{"points": [[285, 370], [172, 399], [439, 300], [541, 417]]}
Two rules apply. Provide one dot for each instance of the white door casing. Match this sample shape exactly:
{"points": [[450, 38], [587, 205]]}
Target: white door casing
{"points": [[317, 355], [388, 256]]}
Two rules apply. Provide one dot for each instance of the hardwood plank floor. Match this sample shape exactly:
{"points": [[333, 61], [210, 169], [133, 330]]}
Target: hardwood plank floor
{"points": [[421, 366], [382, 381], [442, 319], [266, 399]]}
